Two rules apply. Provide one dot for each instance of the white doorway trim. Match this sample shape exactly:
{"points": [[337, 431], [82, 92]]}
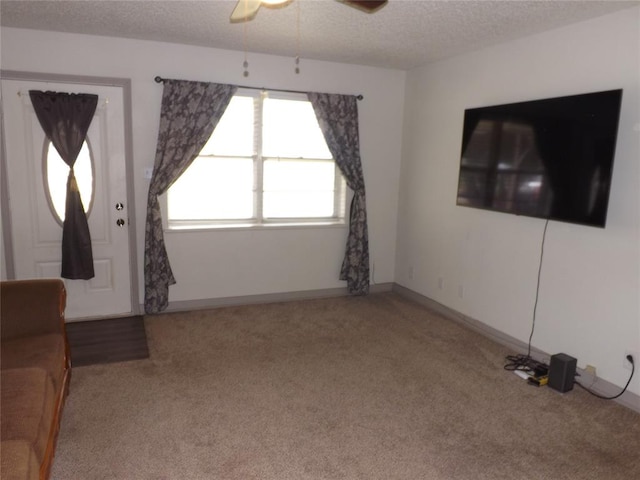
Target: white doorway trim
{"points": [[125, 84]]}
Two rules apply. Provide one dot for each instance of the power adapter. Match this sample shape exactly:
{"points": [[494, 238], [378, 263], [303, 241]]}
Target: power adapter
{"points": [[538, 381]]}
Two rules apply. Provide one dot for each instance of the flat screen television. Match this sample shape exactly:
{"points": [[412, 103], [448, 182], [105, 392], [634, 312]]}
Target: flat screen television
{"points": [[550, 158]]}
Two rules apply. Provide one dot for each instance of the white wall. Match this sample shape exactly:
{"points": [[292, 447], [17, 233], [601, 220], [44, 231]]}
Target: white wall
{"points": [[590, 286], [239, 262]]}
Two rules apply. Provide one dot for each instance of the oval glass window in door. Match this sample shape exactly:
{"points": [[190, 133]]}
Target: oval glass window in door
{"points": [[56, 172]]}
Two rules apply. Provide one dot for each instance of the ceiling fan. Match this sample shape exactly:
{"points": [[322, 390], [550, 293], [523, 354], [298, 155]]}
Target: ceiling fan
{"points": [[247, 9]]}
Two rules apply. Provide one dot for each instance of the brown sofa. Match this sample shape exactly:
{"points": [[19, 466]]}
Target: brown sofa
{"points": [[36, 369]]}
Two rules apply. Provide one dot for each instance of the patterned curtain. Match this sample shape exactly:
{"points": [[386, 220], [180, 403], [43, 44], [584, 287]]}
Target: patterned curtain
{"points": [[338, 119], [190, 112], [65, 119]]}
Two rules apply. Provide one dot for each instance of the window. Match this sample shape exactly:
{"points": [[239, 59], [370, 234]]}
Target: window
{"points": [[56, 172], [266, 163]]}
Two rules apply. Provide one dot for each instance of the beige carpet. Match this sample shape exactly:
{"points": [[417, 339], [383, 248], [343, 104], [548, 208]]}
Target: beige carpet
{"points": [[372, 387]]}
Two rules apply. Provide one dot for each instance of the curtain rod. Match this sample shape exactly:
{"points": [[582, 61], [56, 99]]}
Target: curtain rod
{"points": [[159, 79]]}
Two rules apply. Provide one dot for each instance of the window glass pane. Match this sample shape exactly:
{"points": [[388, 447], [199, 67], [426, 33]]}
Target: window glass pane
{"points": [[298, 188], [298, 204], [213, 188], [57, 172], [290, 129], [234, 133]]}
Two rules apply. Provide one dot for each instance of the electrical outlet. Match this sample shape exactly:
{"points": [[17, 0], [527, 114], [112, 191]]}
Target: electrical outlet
{"points": [[636, 358], [440, 283]]}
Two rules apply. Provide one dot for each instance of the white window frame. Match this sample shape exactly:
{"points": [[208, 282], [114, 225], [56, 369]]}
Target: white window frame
{"points": [[258, 220]]}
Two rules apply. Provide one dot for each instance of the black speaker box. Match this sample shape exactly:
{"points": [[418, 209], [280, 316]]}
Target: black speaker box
{"points": [[562, 372]]}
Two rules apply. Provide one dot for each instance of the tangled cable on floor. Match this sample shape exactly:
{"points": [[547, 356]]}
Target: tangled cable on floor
{"points": [[523, 362]]}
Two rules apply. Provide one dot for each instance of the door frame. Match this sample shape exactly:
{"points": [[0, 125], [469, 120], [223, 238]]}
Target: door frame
{"points": [[125, 84]]}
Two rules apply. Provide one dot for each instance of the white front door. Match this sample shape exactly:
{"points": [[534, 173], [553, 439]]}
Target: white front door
{"points": [[36, 229]]}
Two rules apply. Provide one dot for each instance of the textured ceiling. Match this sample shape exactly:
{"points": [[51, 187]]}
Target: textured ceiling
{"points": [[403, 35]]}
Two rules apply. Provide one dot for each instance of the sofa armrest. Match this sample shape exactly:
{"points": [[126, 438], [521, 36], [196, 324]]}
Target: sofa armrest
{"points": [[31, 307]]}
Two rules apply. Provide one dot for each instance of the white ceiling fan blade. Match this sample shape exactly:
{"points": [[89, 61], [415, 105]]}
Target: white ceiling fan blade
{"points": [[245, 10]]}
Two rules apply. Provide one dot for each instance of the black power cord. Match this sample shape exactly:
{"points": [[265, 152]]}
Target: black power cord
{"points": [[525, 362], [633, 369], [528, 364], [535, 304]]}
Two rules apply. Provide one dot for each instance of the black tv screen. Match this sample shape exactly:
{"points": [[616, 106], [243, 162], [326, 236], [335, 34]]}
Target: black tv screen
{"points": [[550, 158]]}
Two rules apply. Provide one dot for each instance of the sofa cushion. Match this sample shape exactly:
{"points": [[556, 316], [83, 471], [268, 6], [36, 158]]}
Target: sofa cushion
{"points": [[28, 402], [42, 351], [19, 461], [31, 307]]}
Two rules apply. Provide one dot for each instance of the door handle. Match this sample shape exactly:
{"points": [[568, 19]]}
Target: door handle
{"points": [[120, 222]]}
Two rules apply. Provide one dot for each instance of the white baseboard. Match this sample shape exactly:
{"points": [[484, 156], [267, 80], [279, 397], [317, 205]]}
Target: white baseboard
{"points": [[207, 303], [598, 385]]}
